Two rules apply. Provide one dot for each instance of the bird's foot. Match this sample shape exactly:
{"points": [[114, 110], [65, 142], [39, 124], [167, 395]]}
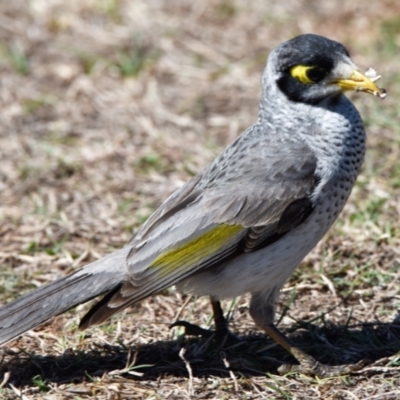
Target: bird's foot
{"points": [[220, 334], [310, 366], [192, 329]]}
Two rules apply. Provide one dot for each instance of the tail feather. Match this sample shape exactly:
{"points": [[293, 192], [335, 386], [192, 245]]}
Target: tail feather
{"points": [[56, 297]]}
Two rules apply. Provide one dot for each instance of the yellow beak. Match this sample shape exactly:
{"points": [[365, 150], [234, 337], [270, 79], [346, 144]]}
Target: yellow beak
{"points": [[360, 83]]}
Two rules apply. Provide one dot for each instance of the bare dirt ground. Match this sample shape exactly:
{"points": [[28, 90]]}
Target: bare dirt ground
{"points": [[108, 106]]}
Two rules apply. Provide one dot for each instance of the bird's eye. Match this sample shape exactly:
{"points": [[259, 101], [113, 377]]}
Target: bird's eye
{"points": [[308, 74], [316, 74]]}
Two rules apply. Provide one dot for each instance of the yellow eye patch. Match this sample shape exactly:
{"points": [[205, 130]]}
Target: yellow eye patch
{"points": [[307, 74]]}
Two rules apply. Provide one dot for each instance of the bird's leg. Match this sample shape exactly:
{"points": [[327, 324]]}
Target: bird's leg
{"points": [[221, 324], [220, 321], [308, 365]]}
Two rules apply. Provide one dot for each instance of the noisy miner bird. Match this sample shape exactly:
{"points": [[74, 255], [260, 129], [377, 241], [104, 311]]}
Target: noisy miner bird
{"points": [[247, 220]]}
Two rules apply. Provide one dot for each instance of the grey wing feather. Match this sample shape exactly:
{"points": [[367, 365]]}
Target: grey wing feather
{"points": [[176, 202], [266, 186]]}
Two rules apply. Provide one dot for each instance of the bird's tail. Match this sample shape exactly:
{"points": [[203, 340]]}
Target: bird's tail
{"points": [[56, 297]]}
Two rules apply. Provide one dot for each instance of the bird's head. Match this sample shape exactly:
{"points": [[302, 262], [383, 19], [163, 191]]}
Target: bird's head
{"points": [[310, 68]]}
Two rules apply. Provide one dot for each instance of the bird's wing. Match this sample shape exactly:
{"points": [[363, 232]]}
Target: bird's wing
{"points": [[205, 223]]}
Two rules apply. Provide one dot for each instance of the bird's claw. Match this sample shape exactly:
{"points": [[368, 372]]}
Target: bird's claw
{"points": [[192, 329]]}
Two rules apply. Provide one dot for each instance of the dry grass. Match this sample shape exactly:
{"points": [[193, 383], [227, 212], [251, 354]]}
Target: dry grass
{"points": [[107, 107]]}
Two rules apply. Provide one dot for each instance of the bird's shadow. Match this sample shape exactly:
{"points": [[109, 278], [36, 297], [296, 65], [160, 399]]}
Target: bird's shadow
{"points": [[252, 355]]}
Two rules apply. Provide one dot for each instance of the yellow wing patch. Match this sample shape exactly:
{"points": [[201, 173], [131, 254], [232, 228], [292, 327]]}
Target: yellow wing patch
{"points": [[195, 250]]}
